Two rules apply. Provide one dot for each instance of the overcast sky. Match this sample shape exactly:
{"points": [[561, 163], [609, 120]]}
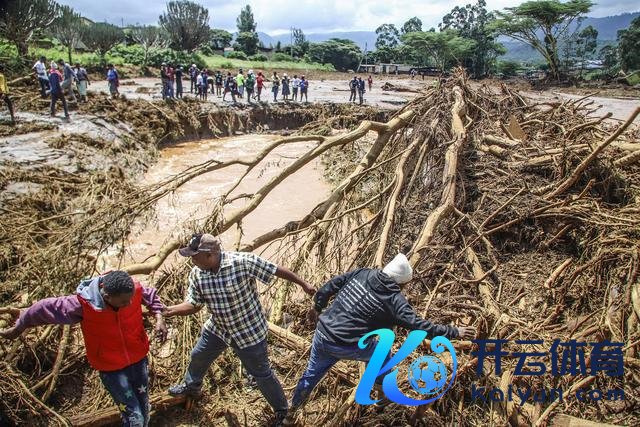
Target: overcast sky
{"points": [[313, 16]]}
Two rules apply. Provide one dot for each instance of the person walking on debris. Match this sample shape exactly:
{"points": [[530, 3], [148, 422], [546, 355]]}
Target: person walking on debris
{"points": [[40, 69], [193, 77], [83, 81], [4, 94], [365, 300], [179, 82], [360, 90], [304, 89], [370, 81], [114, 81], [225, 282], [218, 82], [275, 86], [55, 80], [249, 84], [69, 78], [353, 87], [109, 310], [285, 87], [295, 84]]}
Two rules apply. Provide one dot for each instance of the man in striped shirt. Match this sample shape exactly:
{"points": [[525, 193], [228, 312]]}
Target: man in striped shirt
{"points": [[225, 282]]}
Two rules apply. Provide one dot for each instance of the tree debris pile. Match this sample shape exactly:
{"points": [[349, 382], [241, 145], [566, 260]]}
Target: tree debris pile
{"points": [[521, 219]]}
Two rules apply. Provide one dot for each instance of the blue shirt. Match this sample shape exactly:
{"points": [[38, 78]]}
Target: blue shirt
{"points": [[54, 82], [112, 75], [68, 72]]}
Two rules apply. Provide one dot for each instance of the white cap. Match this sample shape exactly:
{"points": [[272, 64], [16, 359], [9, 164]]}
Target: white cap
{"points": [[399, 269], [250, 72]]}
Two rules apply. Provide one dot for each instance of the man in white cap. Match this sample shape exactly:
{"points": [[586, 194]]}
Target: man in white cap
{"points": [[226, 283], [367, 299]]}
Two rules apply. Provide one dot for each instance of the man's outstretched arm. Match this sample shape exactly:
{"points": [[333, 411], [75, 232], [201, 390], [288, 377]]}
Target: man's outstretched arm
{"points": [[286, 274], [182, 309], [49, 311]]}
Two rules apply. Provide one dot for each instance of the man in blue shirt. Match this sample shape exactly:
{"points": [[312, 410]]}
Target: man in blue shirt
{"points": [[55, 80], [112, 78]]}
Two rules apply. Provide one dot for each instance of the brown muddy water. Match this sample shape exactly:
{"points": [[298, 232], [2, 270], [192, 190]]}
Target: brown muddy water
{"points": [[292, 199]]}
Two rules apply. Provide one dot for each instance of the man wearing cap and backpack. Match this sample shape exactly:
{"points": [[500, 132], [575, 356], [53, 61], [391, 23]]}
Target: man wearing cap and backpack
{"points": [[226, 283], [109, 310], [366, 300]]}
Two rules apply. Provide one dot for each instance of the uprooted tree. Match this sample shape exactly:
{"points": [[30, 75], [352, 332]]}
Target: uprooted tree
{"points": [[519, 218]]}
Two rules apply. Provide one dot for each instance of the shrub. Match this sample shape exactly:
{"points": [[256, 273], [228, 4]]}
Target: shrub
{"points": [[259, 57], [508, 68], [283, 57], [227, 65], [237, 55]]}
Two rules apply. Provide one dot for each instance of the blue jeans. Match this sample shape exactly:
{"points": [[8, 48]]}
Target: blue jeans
{"points": [[325, 354], [254, 359], [129, 389]]}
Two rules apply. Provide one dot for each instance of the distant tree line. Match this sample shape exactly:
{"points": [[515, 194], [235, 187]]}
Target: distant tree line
{"points": [[467, 36]]}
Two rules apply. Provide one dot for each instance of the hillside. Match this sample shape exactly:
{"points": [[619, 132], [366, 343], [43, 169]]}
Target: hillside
{"points": [[607, 31]]}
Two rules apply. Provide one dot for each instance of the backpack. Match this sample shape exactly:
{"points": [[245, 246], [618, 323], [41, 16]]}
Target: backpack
{"points": [[250, 81]]}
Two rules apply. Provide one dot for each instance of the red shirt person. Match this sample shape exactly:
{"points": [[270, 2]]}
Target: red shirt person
{"points": [[109, 310]]}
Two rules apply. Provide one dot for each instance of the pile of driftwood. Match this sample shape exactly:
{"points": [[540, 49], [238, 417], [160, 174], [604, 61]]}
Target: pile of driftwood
{"points": [[520, 218]]}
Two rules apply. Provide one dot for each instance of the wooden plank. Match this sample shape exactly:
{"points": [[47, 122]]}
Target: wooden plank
{"points": [[159, 402]]}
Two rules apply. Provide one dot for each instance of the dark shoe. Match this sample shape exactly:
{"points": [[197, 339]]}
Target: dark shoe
{"points": [[183, 390], [280, 419]]}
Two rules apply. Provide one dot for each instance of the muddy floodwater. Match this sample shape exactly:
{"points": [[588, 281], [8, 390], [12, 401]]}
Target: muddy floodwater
{"points": [[291, 200]]}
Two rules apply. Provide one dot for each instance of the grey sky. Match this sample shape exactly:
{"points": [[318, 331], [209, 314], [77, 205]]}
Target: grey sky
{"points": [[313, 16]]}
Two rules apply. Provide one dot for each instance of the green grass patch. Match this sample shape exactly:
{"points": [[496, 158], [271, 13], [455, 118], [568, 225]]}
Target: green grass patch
{"points": [[634, 79], [219, 61]]}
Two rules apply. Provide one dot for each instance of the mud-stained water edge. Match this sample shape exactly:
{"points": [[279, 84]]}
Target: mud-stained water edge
{"points": [[291, 199]]}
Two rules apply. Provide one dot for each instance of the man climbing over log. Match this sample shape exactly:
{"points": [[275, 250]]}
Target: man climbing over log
{"points": [[226, 283], [109, 310], [367, 299]]}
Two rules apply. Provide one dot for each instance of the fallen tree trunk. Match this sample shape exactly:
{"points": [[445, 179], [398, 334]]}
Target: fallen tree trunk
{"points": [[159, 402]]}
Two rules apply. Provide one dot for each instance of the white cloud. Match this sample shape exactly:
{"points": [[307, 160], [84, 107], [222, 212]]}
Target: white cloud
{"points": [[277, 16]]}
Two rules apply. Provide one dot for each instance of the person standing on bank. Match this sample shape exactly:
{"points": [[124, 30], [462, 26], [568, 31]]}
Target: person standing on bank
{"points": [[275, 86], [365, 300], [193, 76], [109, 310], [304, 89], [179, 82], [285, 87], [225, 282]]}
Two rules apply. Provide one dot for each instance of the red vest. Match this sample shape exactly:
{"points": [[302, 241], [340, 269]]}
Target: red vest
{"points": [[114, 339]]}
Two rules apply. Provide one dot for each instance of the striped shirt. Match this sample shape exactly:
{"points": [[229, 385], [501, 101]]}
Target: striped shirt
{"points": [[231, 296]]}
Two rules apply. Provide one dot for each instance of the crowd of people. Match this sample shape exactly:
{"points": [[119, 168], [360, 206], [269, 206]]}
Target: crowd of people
{"points": [[60, 81], [238, 86], [109, 311]]}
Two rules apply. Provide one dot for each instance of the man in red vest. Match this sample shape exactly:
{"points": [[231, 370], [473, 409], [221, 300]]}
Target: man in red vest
{"points": [[109, 310]]}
